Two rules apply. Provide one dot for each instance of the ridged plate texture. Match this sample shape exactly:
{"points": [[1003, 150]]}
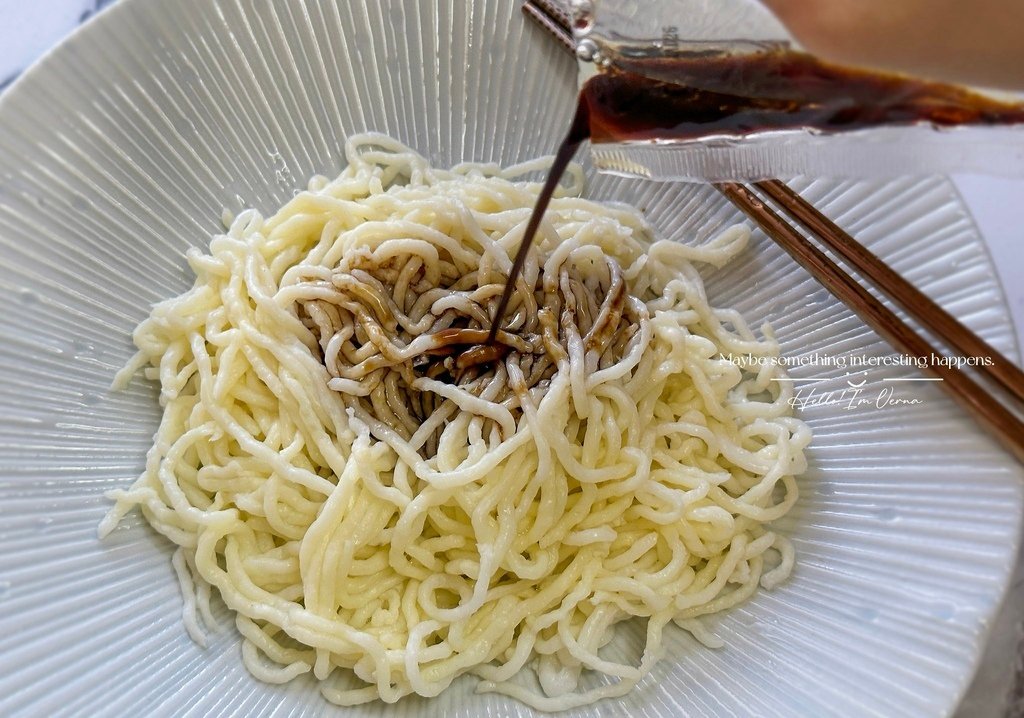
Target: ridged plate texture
{"points": [[122, 149]]}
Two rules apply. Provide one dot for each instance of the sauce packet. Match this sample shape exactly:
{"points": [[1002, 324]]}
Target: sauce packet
{"points": [[714, 90]]}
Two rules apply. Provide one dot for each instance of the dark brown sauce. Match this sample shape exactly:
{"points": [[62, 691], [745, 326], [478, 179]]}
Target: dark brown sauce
{"points": [[692, 96], [579, 130], [695, 96]]}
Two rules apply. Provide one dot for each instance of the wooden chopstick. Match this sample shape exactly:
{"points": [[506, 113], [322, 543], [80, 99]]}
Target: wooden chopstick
{"points": [[992, 415], [559, 15], [552, 19], [915, 302], [981, 405]]}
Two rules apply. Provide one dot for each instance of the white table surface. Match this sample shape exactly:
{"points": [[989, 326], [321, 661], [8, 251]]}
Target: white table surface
{"points": [[28, 29]]}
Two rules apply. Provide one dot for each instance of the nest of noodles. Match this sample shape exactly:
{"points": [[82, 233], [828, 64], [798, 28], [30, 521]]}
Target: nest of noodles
{"points": [[387, 504]]}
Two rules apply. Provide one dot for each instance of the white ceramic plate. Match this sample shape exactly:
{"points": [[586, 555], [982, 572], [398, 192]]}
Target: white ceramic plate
{"points": [[122, 148]]}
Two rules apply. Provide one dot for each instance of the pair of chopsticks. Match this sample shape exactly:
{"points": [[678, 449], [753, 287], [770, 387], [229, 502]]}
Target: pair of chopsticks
{"points": [[794, 222]]}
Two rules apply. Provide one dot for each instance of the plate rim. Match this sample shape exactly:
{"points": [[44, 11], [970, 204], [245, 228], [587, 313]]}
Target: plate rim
{"points": [[82, 34]]}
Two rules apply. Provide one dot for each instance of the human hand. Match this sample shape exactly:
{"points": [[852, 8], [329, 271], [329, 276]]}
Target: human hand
{"points": [[978, 42]]}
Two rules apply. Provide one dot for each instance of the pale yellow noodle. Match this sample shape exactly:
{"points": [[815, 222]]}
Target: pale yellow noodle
{"points": [[387, 532]]}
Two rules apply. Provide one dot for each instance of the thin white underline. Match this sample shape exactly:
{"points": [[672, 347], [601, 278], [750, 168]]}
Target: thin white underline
{"points": [[811, 378], [913, 378]]}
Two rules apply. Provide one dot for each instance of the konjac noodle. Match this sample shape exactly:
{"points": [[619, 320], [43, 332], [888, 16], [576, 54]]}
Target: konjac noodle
{"points": [[387, 502]]}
